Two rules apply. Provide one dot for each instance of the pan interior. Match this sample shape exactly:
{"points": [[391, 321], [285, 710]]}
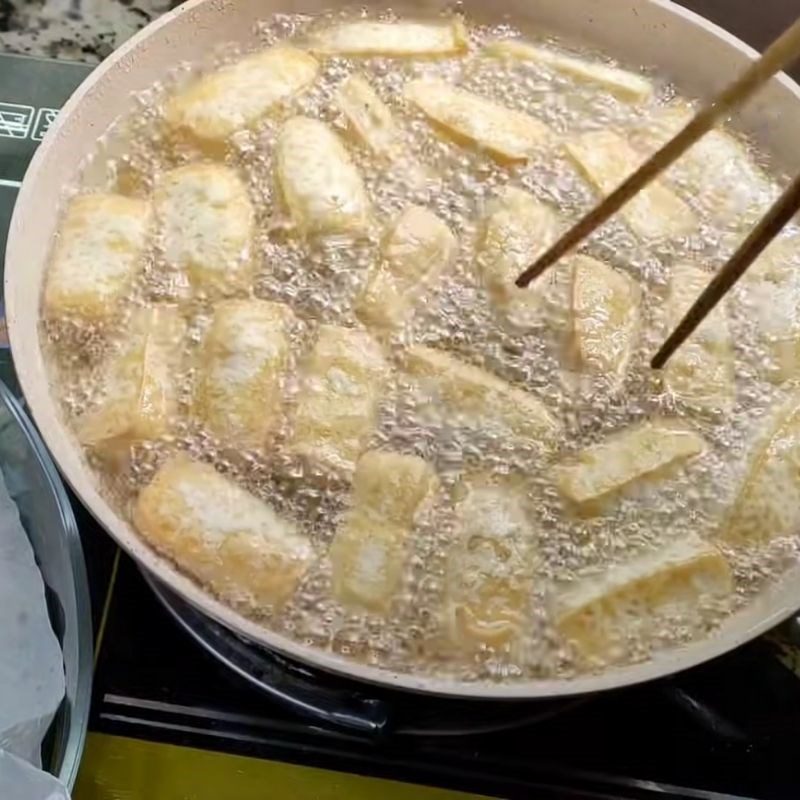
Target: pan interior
{"points": [[602, 417]]}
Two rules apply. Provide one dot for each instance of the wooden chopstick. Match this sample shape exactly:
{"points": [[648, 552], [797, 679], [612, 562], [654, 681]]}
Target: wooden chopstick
{"points": [[782, 52], [784, 208]]}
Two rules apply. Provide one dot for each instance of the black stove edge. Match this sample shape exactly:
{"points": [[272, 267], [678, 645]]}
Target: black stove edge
{"points": [[543, 781]]}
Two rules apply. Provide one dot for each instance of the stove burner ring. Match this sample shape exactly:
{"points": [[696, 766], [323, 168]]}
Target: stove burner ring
{"points": [[350, 705]]}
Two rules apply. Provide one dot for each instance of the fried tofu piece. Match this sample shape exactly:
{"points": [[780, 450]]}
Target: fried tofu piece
{"points": [[98, 254], [489, 574], [140, 394], [643, 450], [369, 117], [322, 188], [342, 380], [717, 169], [395, 39], [779, 318], [207, 223], [392, 486], [222, 535], [595, 613], [236, 97], [506, 134], [773, 285], [517, 228], [368, 552], [417, 250], [606, 160], [243, 362], [702, 372], [768, 503], [621, 82], [605, 317], [371, 123], [480, 398]]}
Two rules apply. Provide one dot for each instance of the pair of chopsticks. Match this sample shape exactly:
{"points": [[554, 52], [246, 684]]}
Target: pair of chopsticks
{"points": [[781, 53]]}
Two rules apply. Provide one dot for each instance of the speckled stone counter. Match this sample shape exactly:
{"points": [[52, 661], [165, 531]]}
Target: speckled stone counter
{"points": [[89, 30], [79, 30]]}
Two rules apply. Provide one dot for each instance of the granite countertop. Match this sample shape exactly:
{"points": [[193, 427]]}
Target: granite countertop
{"points": [[89, 30], [78, 30]]}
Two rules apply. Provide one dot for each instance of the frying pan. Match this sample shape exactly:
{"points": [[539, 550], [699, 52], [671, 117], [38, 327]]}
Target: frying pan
{"points": [[697, 55]]}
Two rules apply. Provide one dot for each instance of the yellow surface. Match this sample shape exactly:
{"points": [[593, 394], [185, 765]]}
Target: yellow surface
{"points": [[117, 768]]}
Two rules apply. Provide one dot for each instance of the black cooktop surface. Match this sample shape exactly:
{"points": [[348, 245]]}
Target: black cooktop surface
{"points": [[727, 729]]}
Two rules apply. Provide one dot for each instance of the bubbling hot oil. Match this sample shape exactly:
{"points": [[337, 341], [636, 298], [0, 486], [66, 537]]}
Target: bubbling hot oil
{"points": [[319, 281]]}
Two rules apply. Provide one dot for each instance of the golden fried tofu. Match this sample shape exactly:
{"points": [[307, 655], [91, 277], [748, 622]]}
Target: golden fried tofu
{"points": [[140, 397], [206, 222], [489, 575], [643, 450], [480, 398], [717, 169], [236, 97], [773, 285], [321, 186], [97, 256], [417, 250], [621, 82], [595, 613], [394, 39], [341, 384], [606, 159], [222, 535], [702, 371], [605, 317], [768, 502], [506, 134], [368, 552], [368, 117], [243, 361], [517, 228]]}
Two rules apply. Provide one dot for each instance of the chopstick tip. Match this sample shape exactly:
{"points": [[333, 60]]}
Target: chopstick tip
{"points": [[658, 361], [532, 272], [523, 280]]}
